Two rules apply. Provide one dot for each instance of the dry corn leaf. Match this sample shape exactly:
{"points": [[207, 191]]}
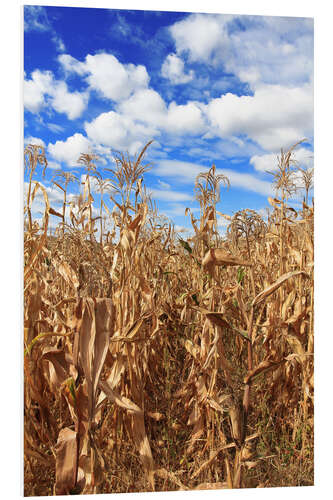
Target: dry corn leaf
{"points": [[214, 404], [54, 212], [272, 288], [236, 422], [67, 272], [156, 415], [263, 367], [95, 331], [165, 474], [250, 464], [194, 350], [60, 366], [219, 257], [66, 461], [121, 401], [143, 446], [296, 346]]}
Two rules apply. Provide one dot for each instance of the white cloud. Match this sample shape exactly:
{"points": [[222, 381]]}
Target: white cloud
{"points": [[285, 46], [34, 140], [178, 209], [181, 170], [71, 103], [262, 163], [42, 89], [55, 128], [185, 119], [173, 70], [35, 18], [170, 195], [119, 132], [247, 181], [105, 74], [304, 157], [145, 105], [200, 35], [34, 90], [163, 185], [274, 116], [255, 49], [70, 150], [72, 65], [53, 165], [60, 46]]}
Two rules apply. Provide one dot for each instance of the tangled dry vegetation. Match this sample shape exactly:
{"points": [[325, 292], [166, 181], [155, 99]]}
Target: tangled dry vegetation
{"points": [[152, 363]]}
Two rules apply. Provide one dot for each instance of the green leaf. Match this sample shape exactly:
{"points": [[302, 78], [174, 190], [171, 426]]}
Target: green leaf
{"points": [[240, 275], [194, 297], [185, 245]]}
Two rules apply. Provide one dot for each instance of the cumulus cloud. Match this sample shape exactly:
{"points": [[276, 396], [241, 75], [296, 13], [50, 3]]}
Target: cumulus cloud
{"points": [[53, 165], [262, 163], [70, 103], [185, 119], [145, 105], [106, 75], [70, 150], [255, 49], [200, 35], [34, 140], [173, 70], [119, 132], [274, 116], [43, 89], [35, 90]]}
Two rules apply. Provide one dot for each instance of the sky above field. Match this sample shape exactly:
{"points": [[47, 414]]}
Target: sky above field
{"points": [[223, 89]]}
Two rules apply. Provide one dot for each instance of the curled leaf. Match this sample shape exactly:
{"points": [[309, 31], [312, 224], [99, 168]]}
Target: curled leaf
{"points": [[263, 367], [272, 288]]}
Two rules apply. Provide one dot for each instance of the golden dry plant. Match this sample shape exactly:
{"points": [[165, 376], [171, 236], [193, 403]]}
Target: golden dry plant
{"points": [[154, 363]]}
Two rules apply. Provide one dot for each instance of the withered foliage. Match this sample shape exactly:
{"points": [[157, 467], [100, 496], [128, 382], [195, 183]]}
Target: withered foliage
{"points": [[154, 363]]}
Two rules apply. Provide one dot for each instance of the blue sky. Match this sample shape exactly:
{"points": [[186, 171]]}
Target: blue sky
{"points": [[207, 88]]}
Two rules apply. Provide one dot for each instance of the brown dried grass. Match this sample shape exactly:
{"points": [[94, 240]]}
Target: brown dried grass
{"points": [[145, 357]]}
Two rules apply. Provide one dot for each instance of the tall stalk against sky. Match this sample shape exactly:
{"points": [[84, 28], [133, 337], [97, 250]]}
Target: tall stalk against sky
{"points": [[65, 177], [33, 155], [207, 188], [87, 159], [104, 186]]}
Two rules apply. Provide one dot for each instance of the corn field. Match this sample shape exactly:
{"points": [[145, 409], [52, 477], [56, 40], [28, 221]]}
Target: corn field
{"points": [[154, 363]]}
